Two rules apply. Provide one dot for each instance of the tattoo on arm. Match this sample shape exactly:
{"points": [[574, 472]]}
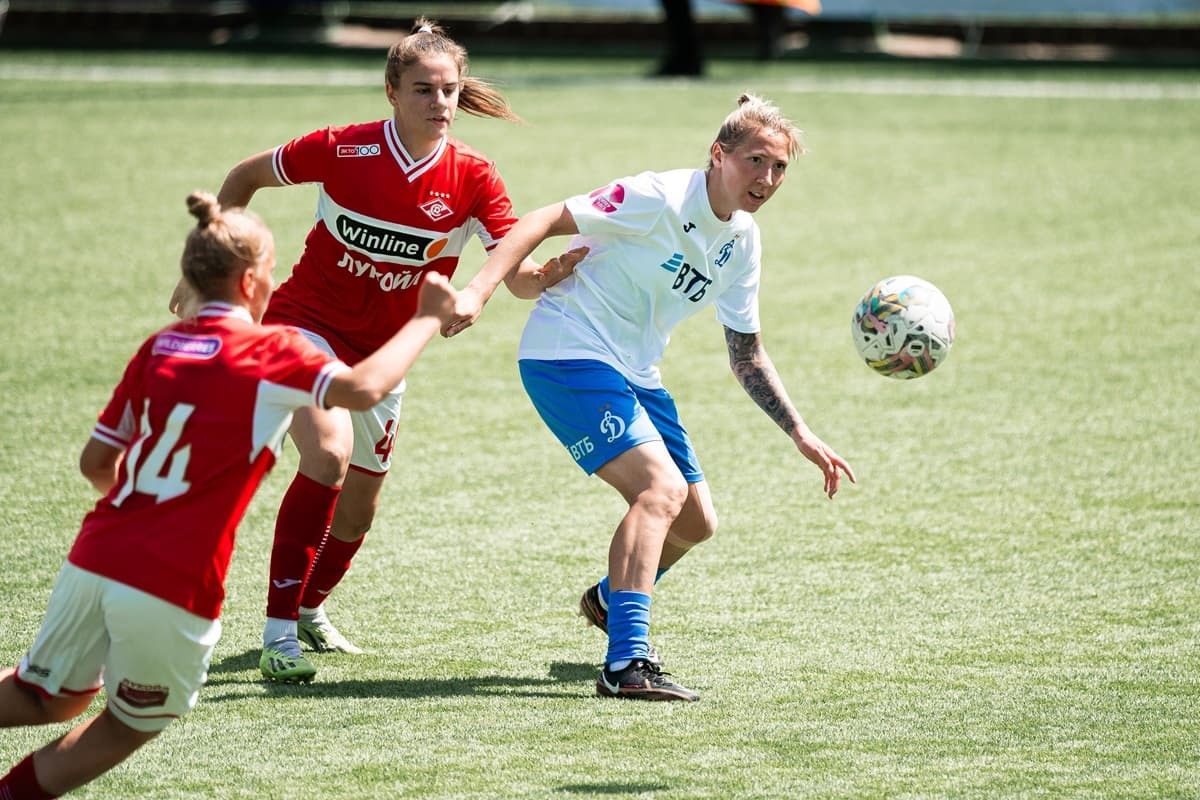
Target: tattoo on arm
{"points": [[756, 373]]}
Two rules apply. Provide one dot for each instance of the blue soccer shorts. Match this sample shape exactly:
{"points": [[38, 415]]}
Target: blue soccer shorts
{"points": [[598, 414]]}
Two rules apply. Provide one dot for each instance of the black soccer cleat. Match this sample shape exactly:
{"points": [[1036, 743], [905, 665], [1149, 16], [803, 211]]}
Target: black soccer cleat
{"points": [[591, 609], [642, 680]]}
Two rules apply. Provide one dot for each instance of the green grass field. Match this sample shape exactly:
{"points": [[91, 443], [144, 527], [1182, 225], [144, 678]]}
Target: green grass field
{"points": [[1006, 605]]}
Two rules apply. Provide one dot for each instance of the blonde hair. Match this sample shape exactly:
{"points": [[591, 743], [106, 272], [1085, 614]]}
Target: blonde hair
{"points": [[752, 115], [223, 242], [475, 96]]}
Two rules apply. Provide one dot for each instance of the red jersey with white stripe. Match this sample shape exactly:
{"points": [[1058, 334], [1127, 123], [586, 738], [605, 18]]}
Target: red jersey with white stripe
{"points": [[200, 413], [383, 220]]}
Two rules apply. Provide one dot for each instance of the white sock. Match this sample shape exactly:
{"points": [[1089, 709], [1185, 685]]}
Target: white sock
{"points": [[313, 614], [280, 630]]}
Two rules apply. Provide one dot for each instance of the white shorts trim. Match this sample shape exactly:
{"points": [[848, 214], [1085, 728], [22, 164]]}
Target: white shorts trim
{"points": [[151, 656]]}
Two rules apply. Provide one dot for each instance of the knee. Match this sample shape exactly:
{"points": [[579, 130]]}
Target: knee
{"points": [[665, 498], [327, 464], [706, 527], [693, 526]]}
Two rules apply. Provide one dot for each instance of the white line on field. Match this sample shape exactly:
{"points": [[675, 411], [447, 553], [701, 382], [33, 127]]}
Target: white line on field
{"points": [[1024, 89], [1032, 89], [218, 76]]}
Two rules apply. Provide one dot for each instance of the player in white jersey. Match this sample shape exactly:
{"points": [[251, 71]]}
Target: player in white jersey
{"points": [[661, 246], [397, 198], [197, 420]]}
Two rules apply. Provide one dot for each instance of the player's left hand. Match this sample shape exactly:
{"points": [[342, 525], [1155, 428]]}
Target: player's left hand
{"points": [[437, 297], [821, 454], [467, 309]]}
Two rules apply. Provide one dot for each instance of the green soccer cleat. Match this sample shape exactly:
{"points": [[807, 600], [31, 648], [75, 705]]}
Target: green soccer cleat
{"points": [[319, 635], [278, 666]]}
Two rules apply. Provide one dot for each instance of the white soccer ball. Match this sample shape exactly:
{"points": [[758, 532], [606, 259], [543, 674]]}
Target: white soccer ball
{"points": [[903, 327]]}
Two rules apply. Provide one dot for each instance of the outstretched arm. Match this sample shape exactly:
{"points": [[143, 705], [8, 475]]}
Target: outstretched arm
{"points": [[372, 378], [756, 373], [247, 177], [521, 240]]}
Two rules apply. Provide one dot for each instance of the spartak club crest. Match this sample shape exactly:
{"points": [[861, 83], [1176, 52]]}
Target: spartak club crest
{"points": [[436, 208]]}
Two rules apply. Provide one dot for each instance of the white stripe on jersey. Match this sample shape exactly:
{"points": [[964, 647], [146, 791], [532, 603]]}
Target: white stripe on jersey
{"points": [[384, 242], [213, 308], [322, 385], [109, 436], [121, 436], [411, 168], [277, 166]]}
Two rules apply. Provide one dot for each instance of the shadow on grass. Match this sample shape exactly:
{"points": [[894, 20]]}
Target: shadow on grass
{"points": [[229, 672], [623, 789]]}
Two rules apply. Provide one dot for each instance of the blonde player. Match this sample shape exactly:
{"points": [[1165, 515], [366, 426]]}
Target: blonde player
{"points": [[397, 199], [662, 246], [195, 423]]}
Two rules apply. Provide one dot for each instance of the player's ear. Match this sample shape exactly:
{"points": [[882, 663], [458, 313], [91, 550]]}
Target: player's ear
{"points": [[716, 154], [247, 283]]}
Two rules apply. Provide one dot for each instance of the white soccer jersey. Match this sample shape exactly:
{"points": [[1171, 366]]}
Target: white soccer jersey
{"points": [[658, 254]]}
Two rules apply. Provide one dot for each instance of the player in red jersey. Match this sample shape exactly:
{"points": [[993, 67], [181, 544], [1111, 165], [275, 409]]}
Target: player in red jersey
{"points": [[196, 421], [397, 198]]}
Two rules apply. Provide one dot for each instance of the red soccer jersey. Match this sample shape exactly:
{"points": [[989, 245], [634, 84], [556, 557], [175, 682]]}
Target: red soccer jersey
{"points": [[201, 413], [383, 219]]}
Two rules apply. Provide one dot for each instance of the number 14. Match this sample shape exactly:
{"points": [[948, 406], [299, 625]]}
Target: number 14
{"points": [[161, 473]]}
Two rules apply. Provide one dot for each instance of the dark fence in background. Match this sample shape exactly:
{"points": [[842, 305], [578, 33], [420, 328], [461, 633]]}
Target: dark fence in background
{"points": [[1155, 30]]}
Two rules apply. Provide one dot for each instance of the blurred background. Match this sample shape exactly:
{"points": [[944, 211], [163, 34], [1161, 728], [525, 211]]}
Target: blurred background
{"points": [[682, 34]]}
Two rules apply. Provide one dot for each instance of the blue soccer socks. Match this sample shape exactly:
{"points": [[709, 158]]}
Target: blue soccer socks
{"points": [[628, 627]]}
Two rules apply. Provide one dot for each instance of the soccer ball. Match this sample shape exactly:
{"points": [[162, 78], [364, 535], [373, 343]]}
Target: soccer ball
{"points": [[903, 327]]}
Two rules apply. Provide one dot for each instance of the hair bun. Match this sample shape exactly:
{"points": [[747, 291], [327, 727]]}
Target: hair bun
{"points": [[425, 25], [203, 206]]}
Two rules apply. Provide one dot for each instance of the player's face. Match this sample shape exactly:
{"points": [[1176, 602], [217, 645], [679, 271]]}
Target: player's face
{"points": [[425, 102], [746, 178]]}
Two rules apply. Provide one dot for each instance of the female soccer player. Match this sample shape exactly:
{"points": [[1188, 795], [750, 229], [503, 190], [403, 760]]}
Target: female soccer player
{"points": [[397, 198], [194, 424], [662, 246]]}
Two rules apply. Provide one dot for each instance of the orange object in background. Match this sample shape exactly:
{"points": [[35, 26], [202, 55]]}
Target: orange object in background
{"points": [[812, 7]]}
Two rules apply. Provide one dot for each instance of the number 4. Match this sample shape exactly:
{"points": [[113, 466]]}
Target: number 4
{"points": [[148, 476]]}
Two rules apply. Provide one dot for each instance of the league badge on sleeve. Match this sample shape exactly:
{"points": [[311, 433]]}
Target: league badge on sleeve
{"points": [[607, 198]]}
